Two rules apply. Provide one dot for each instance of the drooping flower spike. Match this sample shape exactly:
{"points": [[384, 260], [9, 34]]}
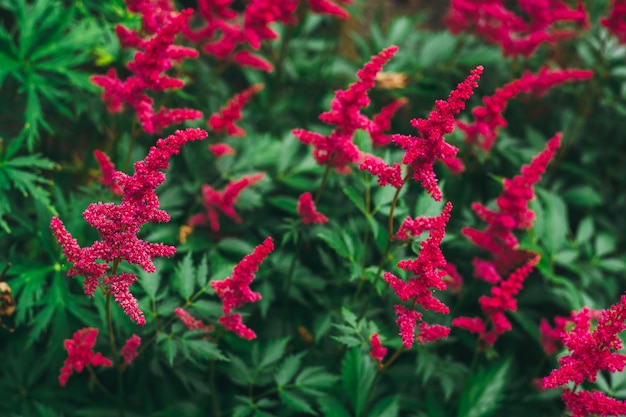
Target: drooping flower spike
{"points": [[80, 354]]}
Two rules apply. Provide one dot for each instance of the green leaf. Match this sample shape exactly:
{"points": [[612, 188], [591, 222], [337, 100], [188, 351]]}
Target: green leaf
{"points": [[274, 351], [349, 317], [205, 349], [555, 233], [185, 277], [605, 244], [331, 406], [336, 242], [170, 348], [296, 402], [585, 230], [484, 390], [387, 407], [584, 195], [287, 369], [348, 340], [316, 377], [202, 273], [356, 198], [357, 373], [235, 246]]}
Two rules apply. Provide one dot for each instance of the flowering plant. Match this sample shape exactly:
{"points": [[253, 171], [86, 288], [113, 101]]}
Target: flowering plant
{"points": [[323, 207]]}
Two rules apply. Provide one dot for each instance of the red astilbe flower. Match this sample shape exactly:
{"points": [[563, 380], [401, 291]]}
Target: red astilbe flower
{"points": [[382, 122], [328, 7], [308, 212], [224, 201], [129, 350], [428, 272], [493, 22], [377, 351], [422, 152], [615, 21], [230, 35], [190, 322], [337, 149], [118, 226], [234, 291], [80, 354], [221, 149], [550, 338], [488, 118], [153, 58], [513, 213], [108, 169], [224, 120], [591, 351]]}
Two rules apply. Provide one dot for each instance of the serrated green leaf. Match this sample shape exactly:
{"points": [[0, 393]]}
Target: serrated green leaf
{"points": [[347, 340], [484, 390], [296, 402], [387, 407], [357, 373], [356, 198], [349, 317], [317, 377], [287, 370], [585, 230], [336, 242], [555, 233], [205, 349], [170, 348], [185, 277], [202, 272], [331, 406], [274, 351]]}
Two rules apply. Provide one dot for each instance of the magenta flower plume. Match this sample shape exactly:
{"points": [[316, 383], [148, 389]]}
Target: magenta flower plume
{"points": [[422, 152], [483, 132], [129, 350], [224, 120], [382, 122], [337, 149], [308, 212], [615, 21], [328, 7], [118, 226], [428, 272], [234, 291], [377, 351], [80, 354], [492, 21], [221, 149], [108, 169], [222, 201], [550, 338], [591, 351], [513, 213], [153, 58], [190, 322]]}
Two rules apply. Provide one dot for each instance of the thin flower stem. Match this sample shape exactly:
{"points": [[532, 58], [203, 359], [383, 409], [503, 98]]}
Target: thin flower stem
{"points": [[382, 369], [323, 183], [99, 384], [385, 255]]}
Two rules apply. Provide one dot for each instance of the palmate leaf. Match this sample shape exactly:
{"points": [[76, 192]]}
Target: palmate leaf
{"points": [[43, 55], [23, 173]]}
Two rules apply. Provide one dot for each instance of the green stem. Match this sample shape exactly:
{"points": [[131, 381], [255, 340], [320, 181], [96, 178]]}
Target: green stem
{"points": [[323, 183], [99, 384], [381, 369]]}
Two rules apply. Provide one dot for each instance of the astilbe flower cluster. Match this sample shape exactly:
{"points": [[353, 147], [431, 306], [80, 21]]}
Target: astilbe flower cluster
{"points": [[190, 322], [426, 275], [234, 291], [224, 120], [307, 210], [216, 201], [516, 35], [230, 35], [615, 21], [129, 350], [154, 56], [550, 337], [591, 350], [381, 122], [119, 224], [80, 354], [107, 169], [337, 149], [498, 238], [488, 118], [377, 351], [421, 153]]}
